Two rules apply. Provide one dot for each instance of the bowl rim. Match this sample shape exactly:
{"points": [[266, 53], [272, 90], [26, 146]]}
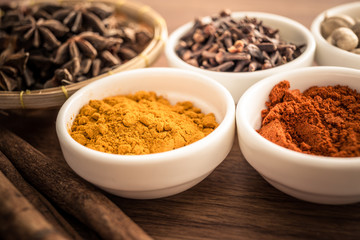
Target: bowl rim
{"points": [[315, 29], [109, 158], [291, 155], [178, 32]]}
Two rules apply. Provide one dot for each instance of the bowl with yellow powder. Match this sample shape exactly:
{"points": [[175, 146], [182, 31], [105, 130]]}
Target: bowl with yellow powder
{"points": [[147, 133], [301, 131]]}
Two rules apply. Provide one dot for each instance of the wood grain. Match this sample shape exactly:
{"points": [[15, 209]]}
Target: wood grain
{"points": [[19, 219], [70, 192], [234, 202]]}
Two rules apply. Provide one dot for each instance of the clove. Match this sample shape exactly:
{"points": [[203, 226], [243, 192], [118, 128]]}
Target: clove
{"points": [[235, 45]]}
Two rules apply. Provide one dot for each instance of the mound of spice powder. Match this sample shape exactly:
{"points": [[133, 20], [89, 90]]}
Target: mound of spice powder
{"points": [[140, 123], [321, 121]]}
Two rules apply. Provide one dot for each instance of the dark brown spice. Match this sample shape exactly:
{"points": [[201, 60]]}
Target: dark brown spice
{"points": [[12, 66], [83, 40], [243, 45], [40, 33], [84, 17]]}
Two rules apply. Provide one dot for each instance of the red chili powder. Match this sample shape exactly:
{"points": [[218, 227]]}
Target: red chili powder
{"points": [[321, 121]]}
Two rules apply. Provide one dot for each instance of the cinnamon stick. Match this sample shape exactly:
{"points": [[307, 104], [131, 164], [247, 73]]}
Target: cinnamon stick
{"points": [[68, 191], [36, 199], [19, 219]]}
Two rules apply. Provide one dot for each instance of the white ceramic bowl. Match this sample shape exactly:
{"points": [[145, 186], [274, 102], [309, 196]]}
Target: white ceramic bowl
{"points": [[319, 179], [160, 174], [327, 54], [237, 83]]}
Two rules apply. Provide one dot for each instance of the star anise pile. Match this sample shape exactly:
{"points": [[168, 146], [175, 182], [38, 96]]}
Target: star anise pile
{"points": [[49, 45]]}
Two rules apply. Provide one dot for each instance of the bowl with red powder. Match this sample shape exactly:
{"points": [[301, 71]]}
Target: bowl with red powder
{"points": [[147, 133], [301, 131]]}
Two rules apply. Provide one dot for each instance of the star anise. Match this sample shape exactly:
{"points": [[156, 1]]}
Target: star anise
{"points": [[134, 37], [84, 17], [12, 14], [66, 74], [5, 40], [73, 48], [41, 32], [104, 62], [64, 43], [46, 10], [42, 66], [61, 77], [91, 52], [107, 57], [85, 45], [12, 67]]}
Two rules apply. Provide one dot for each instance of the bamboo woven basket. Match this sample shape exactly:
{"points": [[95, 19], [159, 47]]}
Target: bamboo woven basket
{"points": [[55, 97]]}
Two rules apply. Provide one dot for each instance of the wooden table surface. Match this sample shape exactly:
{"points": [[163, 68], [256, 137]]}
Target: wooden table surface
{"points": [[234, 202]]}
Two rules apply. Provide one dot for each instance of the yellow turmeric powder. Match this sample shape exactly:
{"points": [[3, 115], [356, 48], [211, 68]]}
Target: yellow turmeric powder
{"points": [[140, 123]]}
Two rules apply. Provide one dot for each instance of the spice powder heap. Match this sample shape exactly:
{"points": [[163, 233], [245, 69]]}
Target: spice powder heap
{"points": [[321, 121], [140, 123]]}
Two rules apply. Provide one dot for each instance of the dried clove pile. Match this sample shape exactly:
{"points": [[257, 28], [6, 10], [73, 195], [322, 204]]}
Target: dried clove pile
{"points": [[230, 45], [49, 44]]}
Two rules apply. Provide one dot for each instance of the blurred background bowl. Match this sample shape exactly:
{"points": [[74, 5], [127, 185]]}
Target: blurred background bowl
{"points": [[289, 30], [319, 179], [160, 174], [327, 54]]}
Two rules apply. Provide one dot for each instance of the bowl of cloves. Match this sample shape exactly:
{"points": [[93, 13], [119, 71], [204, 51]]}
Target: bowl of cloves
{"points": [[49, 50], [238, 49], [337, 35]]}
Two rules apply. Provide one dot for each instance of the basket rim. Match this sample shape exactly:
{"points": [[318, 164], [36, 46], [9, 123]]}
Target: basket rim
{"points": [[56, 96]]}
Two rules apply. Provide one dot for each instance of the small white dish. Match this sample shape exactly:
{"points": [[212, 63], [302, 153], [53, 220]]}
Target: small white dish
{"points": [[318, 179], [237, 83], [160, 174], [327, 54]]}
